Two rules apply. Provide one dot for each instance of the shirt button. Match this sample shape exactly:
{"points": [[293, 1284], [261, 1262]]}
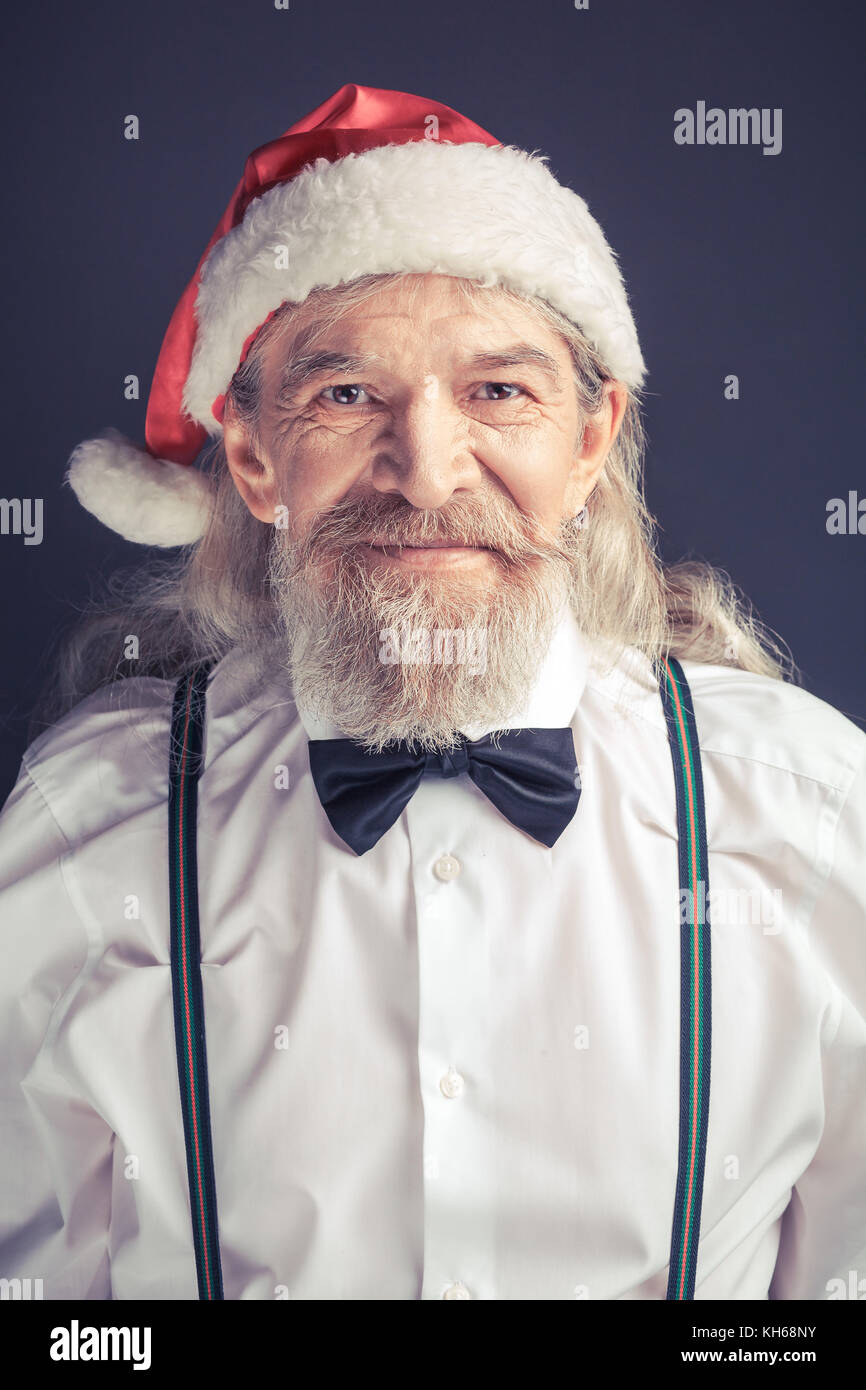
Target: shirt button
{"points": [[457, 1291], [447, 867], [452, 1083]]}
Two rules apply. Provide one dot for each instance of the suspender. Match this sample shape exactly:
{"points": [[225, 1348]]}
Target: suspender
{"points": [[695, 1031], [187, 729]]}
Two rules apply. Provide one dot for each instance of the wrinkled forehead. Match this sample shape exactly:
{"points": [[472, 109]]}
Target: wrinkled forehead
{"points": [[349, 321]]}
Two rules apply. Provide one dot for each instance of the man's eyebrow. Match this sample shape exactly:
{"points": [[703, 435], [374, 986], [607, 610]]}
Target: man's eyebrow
{"points": [[305, 368], [300, 370], [518, 355]]}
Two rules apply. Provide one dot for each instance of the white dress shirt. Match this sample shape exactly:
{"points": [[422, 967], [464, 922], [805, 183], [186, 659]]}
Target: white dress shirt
{"points": [[448, 1068]]}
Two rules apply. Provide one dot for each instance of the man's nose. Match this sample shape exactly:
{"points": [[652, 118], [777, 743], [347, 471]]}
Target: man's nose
{"points": [[426, 455]]}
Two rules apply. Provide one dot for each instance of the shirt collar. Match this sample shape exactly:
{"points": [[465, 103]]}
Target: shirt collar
{"points": [[552, 700]]}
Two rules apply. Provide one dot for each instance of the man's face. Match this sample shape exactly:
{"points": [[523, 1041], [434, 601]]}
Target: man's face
{"points": [[426, 461], [438, 414]]}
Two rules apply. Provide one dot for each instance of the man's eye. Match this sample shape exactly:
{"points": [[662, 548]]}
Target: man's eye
{"points": [[344, 389], [500, 386], [352, 390]]}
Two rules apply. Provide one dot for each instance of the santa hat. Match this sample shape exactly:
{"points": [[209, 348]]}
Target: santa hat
{"points": [[372, 181]]}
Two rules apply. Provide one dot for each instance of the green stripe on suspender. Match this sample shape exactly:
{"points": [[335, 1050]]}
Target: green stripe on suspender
{"points": [[695, 981], [187, 730]]}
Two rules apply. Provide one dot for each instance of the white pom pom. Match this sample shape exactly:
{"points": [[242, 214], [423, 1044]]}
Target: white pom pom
{"points": [[147, 500]]}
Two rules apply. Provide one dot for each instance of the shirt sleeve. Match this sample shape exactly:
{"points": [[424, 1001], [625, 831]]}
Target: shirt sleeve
{"points": [[822, 1254], [55, 1150]]}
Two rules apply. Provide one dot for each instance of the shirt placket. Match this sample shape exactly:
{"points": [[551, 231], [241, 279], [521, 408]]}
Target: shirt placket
{"points": [[454, 1066]]}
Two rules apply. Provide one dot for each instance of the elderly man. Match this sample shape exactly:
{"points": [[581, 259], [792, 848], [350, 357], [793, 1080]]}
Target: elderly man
{"points": [[418, 891]]}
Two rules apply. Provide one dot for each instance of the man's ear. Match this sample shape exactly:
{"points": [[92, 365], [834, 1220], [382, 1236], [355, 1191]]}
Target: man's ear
{"points": [[598, 435], [251, 471]]}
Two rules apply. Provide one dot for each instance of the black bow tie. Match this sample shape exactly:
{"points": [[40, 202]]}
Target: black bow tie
{"points": [[531, 777]]}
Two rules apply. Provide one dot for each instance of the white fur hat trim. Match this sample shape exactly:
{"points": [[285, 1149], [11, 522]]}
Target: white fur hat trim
{"points": [[495, 214], [147, 500], [492, 213]]}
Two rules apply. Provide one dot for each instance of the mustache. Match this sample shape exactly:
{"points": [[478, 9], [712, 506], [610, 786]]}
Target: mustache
{"points": [[486, 520]]}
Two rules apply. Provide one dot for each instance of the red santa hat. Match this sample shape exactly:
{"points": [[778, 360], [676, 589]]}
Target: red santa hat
{"points": [[372, 181]]}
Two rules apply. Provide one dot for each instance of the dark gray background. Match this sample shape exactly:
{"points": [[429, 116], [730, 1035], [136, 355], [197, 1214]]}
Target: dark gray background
{"points": [[735, 261]]}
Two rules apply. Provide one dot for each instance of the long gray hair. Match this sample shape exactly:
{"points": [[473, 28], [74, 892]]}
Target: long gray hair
{"points": [[213, 595]]}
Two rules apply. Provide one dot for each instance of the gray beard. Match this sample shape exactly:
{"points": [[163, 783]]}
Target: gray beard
{"points": [[384, 653]]}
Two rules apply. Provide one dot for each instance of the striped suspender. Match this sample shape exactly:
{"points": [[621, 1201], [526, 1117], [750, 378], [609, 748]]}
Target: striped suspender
{"points": [[694, 978], [187, 730]]}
